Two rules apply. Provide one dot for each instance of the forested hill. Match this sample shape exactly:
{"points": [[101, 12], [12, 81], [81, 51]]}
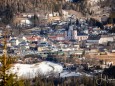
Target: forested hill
{"points": [[55, 5], [86, 7]]}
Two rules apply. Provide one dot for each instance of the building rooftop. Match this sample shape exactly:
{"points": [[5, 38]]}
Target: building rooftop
{"points": [[82, 34], [94, 37]]}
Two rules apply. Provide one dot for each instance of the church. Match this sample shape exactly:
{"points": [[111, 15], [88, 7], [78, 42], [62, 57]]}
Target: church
{"points": [[72, 34]]}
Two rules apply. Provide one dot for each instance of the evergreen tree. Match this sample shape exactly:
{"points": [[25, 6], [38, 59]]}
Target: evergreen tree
{"points": [[7, 15], [35, 20], [6, 78]]}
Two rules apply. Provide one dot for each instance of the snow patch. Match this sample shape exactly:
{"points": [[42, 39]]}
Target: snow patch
{"points": [[33, 70], [70, 74]]}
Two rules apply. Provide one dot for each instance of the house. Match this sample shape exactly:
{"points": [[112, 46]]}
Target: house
{"points": [[79, 52], [22, 22], [65, 14], [105, 39], [22, 38], [25, 21], [43, 44], [24, 45], [33, 38], [54, 14], [42, 48], [93, 39], [27, 15], [82, 36], [53, 17], [93, 51], [57, 36], [1, 32], [52, 37], [60, 37], [109, 26], [100, 39], [33, 46], [14, 42]]}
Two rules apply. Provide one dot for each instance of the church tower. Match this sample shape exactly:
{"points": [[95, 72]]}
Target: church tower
{"points": [[75, 34]]}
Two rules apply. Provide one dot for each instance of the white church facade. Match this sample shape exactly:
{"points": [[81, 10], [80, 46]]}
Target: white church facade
{"points": [[72, 34]]}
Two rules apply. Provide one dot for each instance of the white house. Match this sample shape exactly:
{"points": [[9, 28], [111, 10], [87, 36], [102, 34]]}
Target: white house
{"points": [[54, 14], [27, 15], [25, 22], [14, 42], [105, 39], [100, 39], [65, 14]]}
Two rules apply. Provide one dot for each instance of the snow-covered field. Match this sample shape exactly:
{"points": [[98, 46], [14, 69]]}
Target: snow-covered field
{"points": [[32, 70], [70, 74], [44, 68]]}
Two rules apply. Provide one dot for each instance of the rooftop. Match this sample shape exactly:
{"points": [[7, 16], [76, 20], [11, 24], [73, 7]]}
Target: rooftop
{"points": [[94, 37]]}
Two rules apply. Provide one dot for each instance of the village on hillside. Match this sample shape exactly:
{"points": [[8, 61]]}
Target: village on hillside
{"points": [[61, 44]]}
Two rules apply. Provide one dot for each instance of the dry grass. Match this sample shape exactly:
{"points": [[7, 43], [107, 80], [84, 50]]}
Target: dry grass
{"points": [[108, 58]]}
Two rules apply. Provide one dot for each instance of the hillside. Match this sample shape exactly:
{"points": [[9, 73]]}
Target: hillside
{"points": [[87, 7], [32, 70]]}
